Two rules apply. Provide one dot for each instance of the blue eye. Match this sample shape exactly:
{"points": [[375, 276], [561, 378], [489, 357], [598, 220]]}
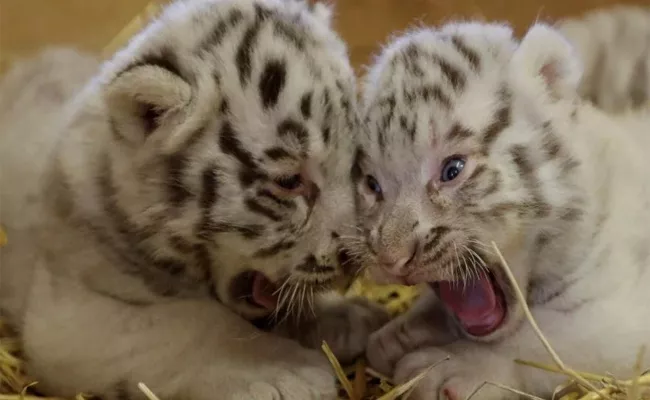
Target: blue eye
{"points": [[452, 168], [373, 185]]}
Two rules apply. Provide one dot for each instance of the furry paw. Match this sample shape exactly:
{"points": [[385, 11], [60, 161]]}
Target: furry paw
{"points": [[283, 382], [467, 369], [387, 346], [301, 374], [346, 327], [404, 334]]}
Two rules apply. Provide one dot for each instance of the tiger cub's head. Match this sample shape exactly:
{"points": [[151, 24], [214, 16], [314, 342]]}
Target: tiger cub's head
{"points": [[229, 144], [462, 148]]}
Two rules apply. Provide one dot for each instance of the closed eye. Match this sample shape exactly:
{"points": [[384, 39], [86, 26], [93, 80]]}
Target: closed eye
{"points": [[289, 183]]}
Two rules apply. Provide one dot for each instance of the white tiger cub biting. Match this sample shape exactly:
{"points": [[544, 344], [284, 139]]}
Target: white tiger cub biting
{"points": [[474, 137], [196, 182]]}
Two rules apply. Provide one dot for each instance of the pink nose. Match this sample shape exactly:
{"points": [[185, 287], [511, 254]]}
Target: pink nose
{"points": [[397, 263]]}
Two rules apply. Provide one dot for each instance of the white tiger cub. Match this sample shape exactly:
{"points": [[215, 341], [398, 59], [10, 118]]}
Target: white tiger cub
{"points": [[614, 46], [474, 137], [196, 183]]}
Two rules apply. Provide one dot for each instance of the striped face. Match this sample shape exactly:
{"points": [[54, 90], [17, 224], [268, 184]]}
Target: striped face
{"points": [[228, 164], [457, 155]]}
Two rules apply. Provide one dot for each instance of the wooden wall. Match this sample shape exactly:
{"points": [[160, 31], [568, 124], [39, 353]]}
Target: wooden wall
{"points": [[26, 25]]}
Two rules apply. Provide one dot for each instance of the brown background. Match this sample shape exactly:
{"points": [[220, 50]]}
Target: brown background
{"points": [[26, 25]]}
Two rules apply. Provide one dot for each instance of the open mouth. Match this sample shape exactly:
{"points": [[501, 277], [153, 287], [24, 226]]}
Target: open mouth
{"points": [[479, 304], [256, 289], [264, 293]]}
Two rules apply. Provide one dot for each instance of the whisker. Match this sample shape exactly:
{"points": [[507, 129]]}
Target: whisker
{"points": [[457, 258], [311, 300], [466, 272]]}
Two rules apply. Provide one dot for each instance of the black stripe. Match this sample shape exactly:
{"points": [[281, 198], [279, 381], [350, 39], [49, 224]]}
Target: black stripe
{"points": [[305, 105], [232, 146], [290, 33], [404, 126], [177, 192], [356, 173], [278, 201], [224, 107], [261, 13], [245, 53], [442, 251], [381, 138], [278, 153], [272, 82], [249, 231], [429, 92], [204, 263], [470, 55], [639, 81], [248, 176], [180, 244], [455, 77], [476, 184], [132, 248], [258, 208], [274, 249], [436, 234], [478, 171], [123, 224], [165, 58], [170, 266], [326, 134], [292, 127], [327, 103], [526, 170], [209, 187], [495, 183], [501, 121], [225, 26], [572, 214], [458, 132]]}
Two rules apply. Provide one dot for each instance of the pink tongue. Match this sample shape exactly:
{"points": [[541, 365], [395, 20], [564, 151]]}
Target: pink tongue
{"points": [[476, 304], [264, 292]]}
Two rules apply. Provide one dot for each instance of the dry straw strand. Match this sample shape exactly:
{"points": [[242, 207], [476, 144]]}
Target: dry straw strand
{"points": [[338, 370], [147, 392], [407, 387], [538, 332], [502, 387]]}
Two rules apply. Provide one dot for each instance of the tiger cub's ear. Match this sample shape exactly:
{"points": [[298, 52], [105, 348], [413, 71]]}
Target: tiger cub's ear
{"points": [[546, 64], [141, 98], [319, 9], [323, 12]]}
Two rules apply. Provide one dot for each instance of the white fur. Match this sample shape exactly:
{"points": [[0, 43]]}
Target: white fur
{"points": [[91, 320], [598, 264], [614, 44]]}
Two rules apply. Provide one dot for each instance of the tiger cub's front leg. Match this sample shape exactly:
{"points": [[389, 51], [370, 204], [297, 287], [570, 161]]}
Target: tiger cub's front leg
{"points": [[345, 324], [191, 349]]}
